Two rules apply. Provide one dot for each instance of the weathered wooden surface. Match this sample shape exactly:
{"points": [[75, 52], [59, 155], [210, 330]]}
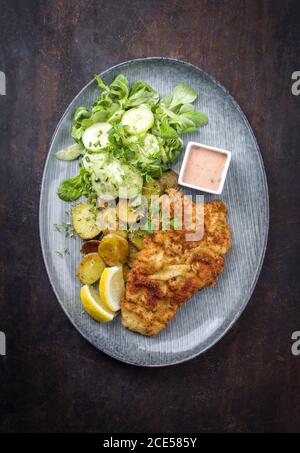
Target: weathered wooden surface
{"points": [[51, 379]]}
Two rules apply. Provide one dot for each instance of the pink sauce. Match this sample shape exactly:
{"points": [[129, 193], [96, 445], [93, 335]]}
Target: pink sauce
{"points": [[204, 168]]}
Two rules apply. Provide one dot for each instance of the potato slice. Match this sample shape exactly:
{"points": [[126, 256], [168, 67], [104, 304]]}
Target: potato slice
{"points": [[126, 270], [168, 180], [90, 247], [127, 213], [107, 219], [84, 219], [152, 188], [137, 240], [113, 249], [133, 251], [122, 233], [90, 268]]}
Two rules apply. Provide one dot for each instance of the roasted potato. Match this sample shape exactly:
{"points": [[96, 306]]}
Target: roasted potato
{"points": [[133, 251], [122, 233], [137, 240], [90, 247], [108, 219], [128, 214], [168, 180], [113, 249], [111, 224], [90, 268], [126, 270], [84, 219], [152, 188]]}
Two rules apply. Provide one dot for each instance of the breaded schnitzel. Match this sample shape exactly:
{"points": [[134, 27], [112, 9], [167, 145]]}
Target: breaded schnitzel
{"points": [[170, 269]]}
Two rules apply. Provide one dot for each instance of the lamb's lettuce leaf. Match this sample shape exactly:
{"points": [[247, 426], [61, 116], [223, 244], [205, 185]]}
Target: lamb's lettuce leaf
{"points": [[70, 189], [177, 111], [198, 118], [117, 91], [182, 94], [142, 93], [76, 187]]}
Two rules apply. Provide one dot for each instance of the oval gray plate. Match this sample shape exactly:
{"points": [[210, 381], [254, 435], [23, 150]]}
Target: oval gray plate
{"points": [[208, 316]]}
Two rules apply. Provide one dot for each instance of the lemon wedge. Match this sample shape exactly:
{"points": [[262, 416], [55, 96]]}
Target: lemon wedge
{"points": [[93, 305], [112, 287]]}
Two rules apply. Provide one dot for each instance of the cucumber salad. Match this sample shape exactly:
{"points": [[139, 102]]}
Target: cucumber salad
{"points": [[127, 139]]}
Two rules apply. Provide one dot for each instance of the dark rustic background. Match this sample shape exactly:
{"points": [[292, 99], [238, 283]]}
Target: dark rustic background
{"points": [[52, 379]]}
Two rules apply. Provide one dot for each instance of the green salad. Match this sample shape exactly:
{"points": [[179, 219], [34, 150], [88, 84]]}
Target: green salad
{"points": [[128, 138]]}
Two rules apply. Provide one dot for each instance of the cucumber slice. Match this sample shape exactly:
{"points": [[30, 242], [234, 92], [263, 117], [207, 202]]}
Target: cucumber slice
{"points": [[70, 153], [132, 182], [96, 136], [138, 121], [110, 177]]}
